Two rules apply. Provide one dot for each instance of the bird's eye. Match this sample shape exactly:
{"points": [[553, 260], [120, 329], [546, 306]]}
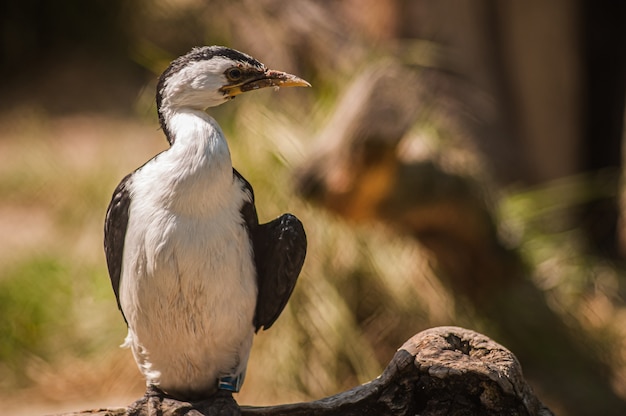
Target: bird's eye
{"points": [[234, 74]]}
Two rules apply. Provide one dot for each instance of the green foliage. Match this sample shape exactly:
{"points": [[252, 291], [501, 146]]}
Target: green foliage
{"points": [[36, 311]]}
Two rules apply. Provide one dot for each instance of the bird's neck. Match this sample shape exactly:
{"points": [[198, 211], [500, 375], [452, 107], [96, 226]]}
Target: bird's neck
{"points": [[198, 161]]}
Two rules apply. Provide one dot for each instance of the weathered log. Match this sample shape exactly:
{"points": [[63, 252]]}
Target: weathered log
{"points": [[440, 371]]}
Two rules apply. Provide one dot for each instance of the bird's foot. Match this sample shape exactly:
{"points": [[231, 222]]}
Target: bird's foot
{"points": [[156, 403], [221, 403], [149, 405]]}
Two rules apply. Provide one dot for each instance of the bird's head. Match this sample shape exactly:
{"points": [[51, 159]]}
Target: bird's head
{"points": [[211, 75]]}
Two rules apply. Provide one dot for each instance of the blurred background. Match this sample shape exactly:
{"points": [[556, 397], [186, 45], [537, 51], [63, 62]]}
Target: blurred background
{"points": [[457, 162]]}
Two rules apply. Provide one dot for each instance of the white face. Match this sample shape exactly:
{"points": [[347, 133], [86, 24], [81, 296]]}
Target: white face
{"points": [[198, 85]]}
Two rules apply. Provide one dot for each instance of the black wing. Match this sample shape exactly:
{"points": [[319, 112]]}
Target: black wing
{"points": [[114, 234], [279, 250]]}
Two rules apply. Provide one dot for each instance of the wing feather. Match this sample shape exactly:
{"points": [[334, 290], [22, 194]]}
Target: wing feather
{"points": [[279, 251], [115, 227]]}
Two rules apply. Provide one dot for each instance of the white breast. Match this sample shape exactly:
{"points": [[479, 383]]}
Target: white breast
{"points": [[188, 286]]}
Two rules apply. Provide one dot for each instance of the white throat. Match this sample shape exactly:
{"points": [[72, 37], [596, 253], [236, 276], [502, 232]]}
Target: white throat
{"points": [[198, 165]]}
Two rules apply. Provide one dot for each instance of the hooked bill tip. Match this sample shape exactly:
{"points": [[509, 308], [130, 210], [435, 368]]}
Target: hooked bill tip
{"points": [[283, 79]]}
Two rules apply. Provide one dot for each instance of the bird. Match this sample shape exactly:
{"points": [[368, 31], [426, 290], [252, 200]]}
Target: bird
{"points": [[194, 274]]}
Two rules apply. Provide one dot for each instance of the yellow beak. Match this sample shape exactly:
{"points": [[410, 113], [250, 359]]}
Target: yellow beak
{"points": [[269, 78]]}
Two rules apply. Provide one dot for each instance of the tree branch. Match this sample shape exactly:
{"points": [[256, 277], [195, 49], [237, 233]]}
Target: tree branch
{"points": [[441, 371]]}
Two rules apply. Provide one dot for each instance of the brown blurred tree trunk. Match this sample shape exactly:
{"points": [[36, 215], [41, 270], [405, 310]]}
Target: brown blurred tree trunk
{"points": [[556, 72], [604, 64]]}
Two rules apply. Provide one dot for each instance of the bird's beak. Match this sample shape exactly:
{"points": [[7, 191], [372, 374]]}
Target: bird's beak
{"points": [[269, 78]]}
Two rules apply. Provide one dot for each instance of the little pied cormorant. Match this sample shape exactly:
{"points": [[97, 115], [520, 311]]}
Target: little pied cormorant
{"points": [[194, 273]]}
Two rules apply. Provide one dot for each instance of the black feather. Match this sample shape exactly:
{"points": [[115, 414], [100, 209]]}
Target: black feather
{"points": [[279, 251], [115, 227]]}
